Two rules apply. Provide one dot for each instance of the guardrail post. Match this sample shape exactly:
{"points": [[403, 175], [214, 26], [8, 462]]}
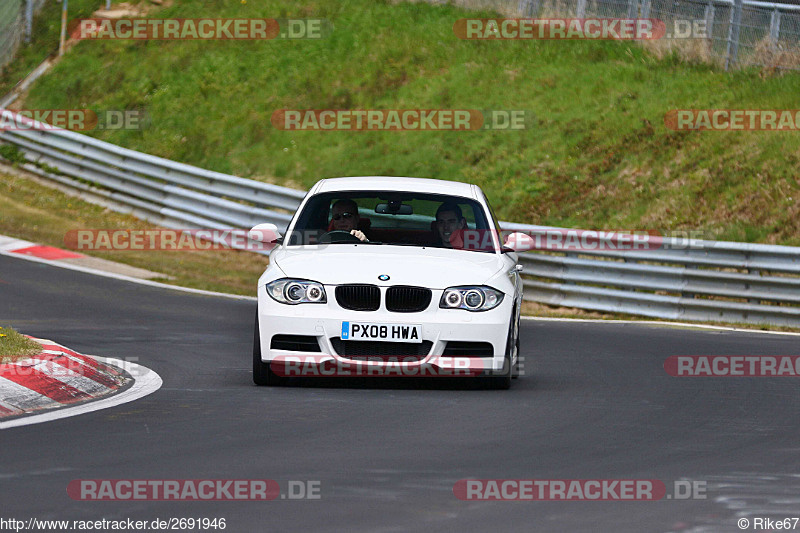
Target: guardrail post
{"points": [[774, 27], [685, 294], [747, 285], [526, 8], [645, 14], [633, 9], [28, 20], [733, 34], [580, 9], [63, 39], [709, 16]]}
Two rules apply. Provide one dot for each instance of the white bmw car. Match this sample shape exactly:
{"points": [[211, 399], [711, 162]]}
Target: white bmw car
{"points": [[389, 276]]}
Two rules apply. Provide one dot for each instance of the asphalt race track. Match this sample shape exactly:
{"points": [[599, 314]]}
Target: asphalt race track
{"points": [[596, 404]]}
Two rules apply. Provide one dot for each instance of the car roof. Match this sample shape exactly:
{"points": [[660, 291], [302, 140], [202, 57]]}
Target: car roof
{"points": [[400, 184]]}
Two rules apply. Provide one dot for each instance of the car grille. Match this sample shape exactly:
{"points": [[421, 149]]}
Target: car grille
{"points": [[376, 350], [468, 349], [358, 297], [402, 299], [295, 343]]}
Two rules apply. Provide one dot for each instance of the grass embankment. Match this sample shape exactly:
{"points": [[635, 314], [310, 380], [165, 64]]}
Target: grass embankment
{"points": [[40, 214], [15, 346], [597, 154]]}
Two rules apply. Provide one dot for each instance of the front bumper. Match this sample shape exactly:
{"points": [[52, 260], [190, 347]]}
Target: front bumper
{"points": [[439, 326]]}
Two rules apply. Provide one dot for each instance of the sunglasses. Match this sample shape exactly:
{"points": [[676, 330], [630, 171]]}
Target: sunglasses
{"points": [[346, 216]]}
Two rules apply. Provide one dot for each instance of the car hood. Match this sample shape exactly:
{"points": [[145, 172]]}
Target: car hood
{"points": [[435, 268]]}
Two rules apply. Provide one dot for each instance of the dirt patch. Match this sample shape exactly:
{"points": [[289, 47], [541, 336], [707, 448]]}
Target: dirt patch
{"points": [[125, 10]]}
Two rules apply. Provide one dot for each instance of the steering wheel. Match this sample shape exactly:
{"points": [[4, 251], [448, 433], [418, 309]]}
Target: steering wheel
{"points": [[338, 237]]}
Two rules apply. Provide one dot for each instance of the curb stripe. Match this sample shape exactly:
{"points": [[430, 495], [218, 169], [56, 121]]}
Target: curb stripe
{"points": [[46, 252], [46, 386], [55, 349], [78, 366], [69, 377], [22, 398]]}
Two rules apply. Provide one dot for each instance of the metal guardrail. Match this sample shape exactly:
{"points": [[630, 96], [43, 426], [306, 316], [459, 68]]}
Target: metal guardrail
{"points": [[155, 189], [687, 280]]}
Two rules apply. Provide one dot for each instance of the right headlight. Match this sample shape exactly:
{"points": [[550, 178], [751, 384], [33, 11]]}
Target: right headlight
{"points": [[297, 291], [471, 298]]}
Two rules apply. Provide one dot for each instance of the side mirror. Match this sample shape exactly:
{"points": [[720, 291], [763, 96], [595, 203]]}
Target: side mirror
{"points": [[266, 232], [519, 242]]}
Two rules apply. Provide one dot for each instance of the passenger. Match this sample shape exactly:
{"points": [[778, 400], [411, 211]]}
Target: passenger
{"points": [[450, 223]]}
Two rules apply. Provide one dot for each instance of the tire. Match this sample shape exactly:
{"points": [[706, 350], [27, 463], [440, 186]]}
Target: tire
{"points": [[262, 374], [503, 380], [515, 371]]}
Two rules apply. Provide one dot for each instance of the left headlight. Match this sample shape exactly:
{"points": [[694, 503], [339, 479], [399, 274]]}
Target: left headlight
{"points": [[297, 291], [477, 298]]}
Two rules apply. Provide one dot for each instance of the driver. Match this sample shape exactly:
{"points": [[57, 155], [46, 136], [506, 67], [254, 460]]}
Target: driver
{"points": [[344, 217]]}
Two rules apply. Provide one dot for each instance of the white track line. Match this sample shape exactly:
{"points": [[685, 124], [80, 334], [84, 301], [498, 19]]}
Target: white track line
{"points": [[659, 323], [146, 382], [103, 273]]}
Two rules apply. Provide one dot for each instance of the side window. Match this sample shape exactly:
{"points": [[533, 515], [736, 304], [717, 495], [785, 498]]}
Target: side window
{"points": [[468, 210]]}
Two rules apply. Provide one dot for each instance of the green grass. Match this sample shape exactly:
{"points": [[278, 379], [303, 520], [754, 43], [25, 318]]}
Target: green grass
{"points": [[596, 156], [15, 346]]}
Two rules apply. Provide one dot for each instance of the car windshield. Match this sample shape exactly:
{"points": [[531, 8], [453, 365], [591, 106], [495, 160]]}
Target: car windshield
{"points": [[395, 218]]}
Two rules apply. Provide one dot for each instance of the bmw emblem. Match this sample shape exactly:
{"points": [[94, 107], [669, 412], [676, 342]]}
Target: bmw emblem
{"points": [[383, 277]]}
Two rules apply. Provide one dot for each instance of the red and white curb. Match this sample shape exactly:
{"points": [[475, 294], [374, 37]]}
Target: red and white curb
{"points": [[31, 249], [67, 383]]}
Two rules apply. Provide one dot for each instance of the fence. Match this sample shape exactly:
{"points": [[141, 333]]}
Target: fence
{"points": [[737, 32], [709, 280], [16, 24]]}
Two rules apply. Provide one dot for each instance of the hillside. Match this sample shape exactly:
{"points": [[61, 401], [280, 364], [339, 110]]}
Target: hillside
{"points": [[595, 154]]}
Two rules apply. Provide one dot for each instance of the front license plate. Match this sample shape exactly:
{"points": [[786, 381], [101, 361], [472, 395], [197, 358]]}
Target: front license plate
{"points": [[365, 331]]}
